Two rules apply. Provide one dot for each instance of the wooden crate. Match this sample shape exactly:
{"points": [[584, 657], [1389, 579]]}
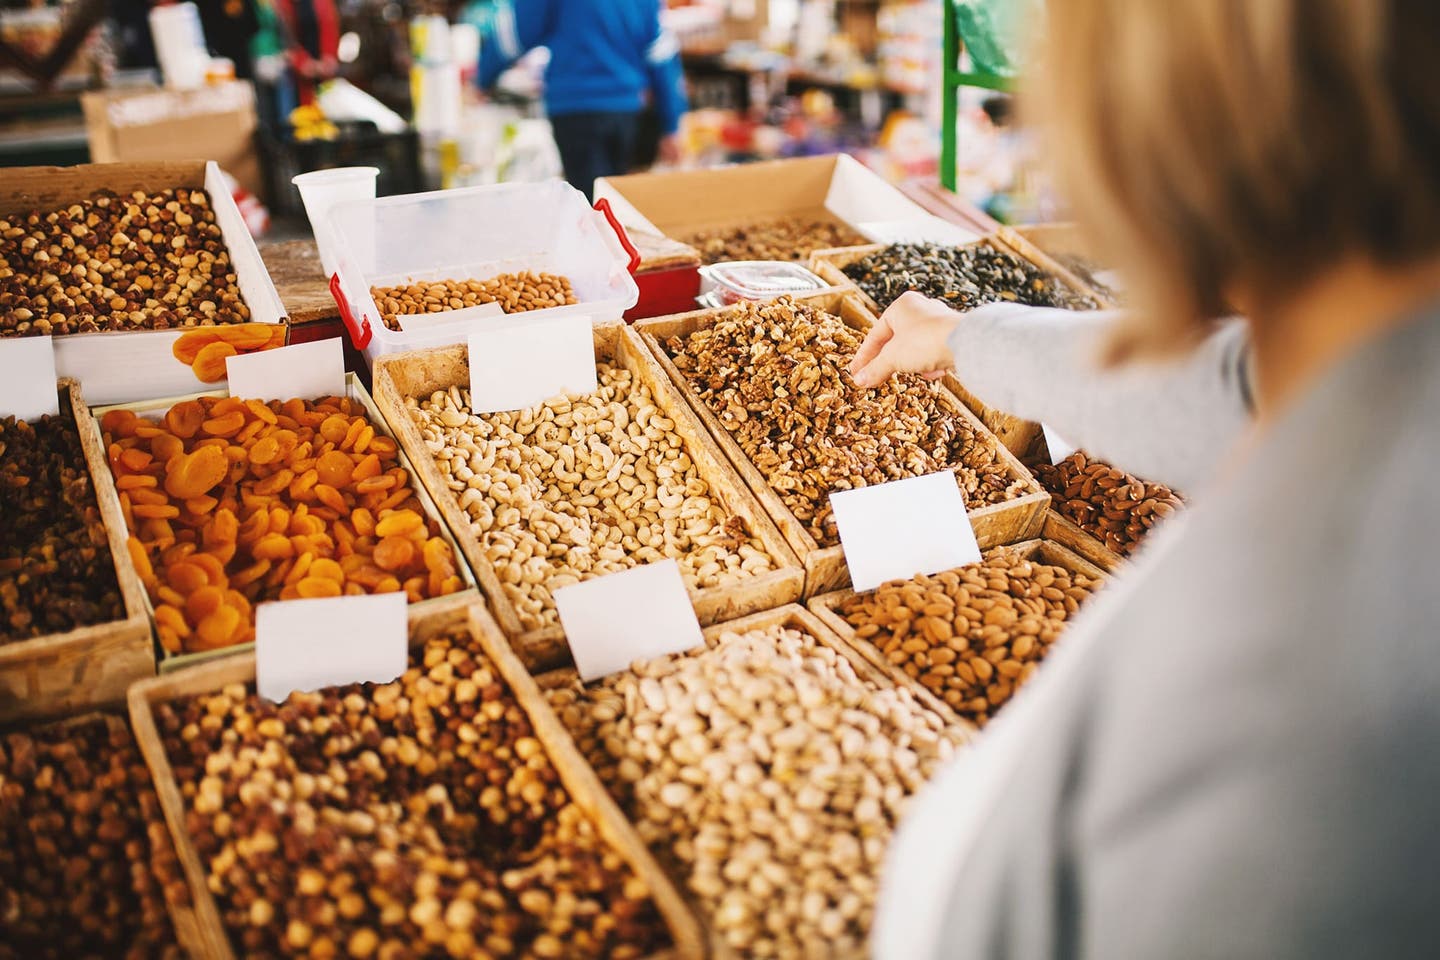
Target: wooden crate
{"points": [[152, 409], [183, 917], [578, 779], [88, 667], [1066, 532], [420, 374], [826, 607], [1021, 437], [1054, 242], [825, 567], [791, 616]]}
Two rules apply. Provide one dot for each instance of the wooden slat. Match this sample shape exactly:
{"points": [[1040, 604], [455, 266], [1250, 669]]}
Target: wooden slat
{"points": [[61, 674], [579, 780], [792, 617], [418, 375], [1066, 532], [827, 606], [825, 567]]}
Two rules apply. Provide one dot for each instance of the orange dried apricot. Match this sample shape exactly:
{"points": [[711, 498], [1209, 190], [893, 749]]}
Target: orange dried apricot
{"points": [[195, 474], [335, 468], [311, 587], [209, 363], [399, 523], [189, 344], [184, 418], [216, 631], [394, 553]]}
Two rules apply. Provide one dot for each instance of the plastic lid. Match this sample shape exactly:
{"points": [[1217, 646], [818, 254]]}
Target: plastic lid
{"points": [[759, 279]]}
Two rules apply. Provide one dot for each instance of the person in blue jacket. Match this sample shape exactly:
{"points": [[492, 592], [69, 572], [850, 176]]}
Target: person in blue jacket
{"points": [[605, 56]]}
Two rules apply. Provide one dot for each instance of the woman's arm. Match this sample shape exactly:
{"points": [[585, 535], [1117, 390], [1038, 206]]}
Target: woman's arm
{"points": [[1166, 421], [513, 30]]}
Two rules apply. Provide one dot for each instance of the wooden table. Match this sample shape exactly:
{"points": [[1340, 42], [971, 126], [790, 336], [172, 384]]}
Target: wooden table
{"points": [[295, 269]]}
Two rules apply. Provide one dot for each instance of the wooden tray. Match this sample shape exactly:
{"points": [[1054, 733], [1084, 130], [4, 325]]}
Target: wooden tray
{"points": [[110, 497], [825, 567], [421, 374], [1019, 436], [792, 616], [1066, 532], [1055, 241], [61, 674], [826, 608], [182, 916], [575, 774]]}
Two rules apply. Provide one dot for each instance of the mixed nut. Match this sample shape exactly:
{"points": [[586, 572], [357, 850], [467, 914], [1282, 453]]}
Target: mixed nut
{"points": [[86, 864], [768, 775], [784, 238], [775, 374], [962, 277], [416, 818], [146, 261], [515, 292], [233, 502], [1106, 502], [971, 636], [574, 489], [56, 571]]}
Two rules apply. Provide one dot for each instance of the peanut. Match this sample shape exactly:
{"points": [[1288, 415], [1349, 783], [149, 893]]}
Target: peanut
{"points": [[767, 774], [574, 489]]}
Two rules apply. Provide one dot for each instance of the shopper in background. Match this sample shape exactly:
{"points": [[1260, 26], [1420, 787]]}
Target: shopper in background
{"points": [[605, 56], [1233, 752]]}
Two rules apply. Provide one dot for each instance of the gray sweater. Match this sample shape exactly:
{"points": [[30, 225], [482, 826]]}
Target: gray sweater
{"points": [[1235, 751]]}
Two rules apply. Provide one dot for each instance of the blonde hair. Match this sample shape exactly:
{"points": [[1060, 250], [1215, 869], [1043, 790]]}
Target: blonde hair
{"points": [[1214, 145]]}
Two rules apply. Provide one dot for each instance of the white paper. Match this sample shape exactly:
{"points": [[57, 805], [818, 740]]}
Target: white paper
{"points": [[27, 378], [311, 644], [304, 370], [892, 531], [527, 362], [1059, 447], [640, 614], [411, 322]]}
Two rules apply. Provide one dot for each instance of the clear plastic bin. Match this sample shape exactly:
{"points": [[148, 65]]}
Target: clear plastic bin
{"points": [[722, 284], [476, 233]]}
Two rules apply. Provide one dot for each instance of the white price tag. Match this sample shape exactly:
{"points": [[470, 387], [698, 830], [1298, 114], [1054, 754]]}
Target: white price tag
{"points": [[1059, 447], [311, 644], [527, 362], [892, 531], [27, 378], [304, 370], [640, 614]]}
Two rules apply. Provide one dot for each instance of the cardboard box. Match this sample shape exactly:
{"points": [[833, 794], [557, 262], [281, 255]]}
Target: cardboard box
{"points": [[123, 367], [151, 123], [677, 203]]}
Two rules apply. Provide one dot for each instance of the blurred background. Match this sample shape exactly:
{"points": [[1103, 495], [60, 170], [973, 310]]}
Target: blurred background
{"points": [[914, 89]]}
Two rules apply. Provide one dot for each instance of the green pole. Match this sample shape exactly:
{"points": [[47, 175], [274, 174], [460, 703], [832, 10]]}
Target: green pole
{"points": [[951, 112]]}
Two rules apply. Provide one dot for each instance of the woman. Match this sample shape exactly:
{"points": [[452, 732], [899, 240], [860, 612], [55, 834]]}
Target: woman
{"points": [[1234, 752]]}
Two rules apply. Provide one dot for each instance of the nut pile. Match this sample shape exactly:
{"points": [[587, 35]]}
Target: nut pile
{"points": [[784, 238], [963, 277], [417, 818], [768, 775], [515, 292], [775, 374], [56, 572], [574, 489], [86, 864], [234, 502], [140, 262], [1105, 501], [971, 636]]}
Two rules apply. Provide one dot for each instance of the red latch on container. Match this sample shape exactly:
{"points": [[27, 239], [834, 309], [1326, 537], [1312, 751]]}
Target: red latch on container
{"points": [[603, 205], [360, 333]]}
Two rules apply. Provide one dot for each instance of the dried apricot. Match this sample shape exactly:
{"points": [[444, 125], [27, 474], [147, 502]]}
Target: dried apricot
{"points": [[310, 587], [399, 523], [225, 425], [327, 569], [196, 473], [334, 468], [394, 553], [190, 343], [184, 418], [246, 336], [334, 429], [265, 451], [209, 363], [217, 630]]}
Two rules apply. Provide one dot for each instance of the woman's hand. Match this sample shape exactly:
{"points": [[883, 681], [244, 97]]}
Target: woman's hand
{"points": [[911, 337]]}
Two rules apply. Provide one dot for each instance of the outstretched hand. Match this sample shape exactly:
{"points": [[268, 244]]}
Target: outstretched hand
{"points": [[910, 337]]}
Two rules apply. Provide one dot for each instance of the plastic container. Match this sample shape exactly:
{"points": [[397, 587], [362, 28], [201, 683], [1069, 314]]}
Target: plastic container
{"points": [[722, 284], [320, 190], [476, 233]]}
